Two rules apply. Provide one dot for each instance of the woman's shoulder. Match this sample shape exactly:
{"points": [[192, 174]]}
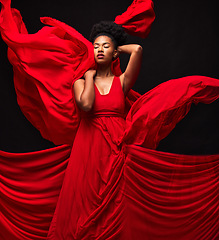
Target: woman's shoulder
{"points": [[79, 81]]}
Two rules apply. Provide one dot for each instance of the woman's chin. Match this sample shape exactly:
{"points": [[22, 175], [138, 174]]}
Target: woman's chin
{"points": [[103, 61]]}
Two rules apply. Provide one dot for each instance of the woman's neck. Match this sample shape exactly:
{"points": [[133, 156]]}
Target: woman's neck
{"points": [[104, 71]]}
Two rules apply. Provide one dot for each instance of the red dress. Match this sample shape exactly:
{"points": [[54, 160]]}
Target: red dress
{"points": [[116, 186], [91, 191]]}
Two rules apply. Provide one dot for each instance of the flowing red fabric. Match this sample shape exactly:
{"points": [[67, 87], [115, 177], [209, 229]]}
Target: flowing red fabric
{"points": [[65, 56], [108, 182], [30, 185], [138, 18]]}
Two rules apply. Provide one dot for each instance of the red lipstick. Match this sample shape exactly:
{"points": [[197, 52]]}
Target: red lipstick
{"points": [[100, 55]]}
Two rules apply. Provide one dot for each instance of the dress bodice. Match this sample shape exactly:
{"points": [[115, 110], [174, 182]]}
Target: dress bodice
{"points": [[111, 104]]}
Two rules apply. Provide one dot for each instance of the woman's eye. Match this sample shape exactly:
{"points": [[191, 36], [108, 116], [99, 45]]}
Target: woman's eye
{"points": [[106, 46]]}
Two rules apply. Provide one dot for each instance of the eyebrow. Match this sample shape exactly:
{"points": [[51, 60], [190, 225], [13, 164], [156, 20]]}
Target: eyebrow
{"points": [[103, 43]]}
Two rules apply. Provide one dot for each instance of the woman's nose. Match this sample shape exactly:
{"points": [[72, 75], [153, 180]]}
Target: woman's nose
{"points": [[100, 49]]}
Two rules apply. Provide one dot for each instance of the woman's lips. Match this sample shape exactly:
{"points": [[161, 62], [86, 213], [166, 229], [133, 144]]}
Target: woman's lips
{"points": [[100, 56]]}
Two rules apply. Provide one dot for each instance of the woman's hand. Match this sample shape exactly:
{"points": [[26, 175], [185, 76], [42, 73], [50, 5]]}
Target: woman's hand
{"points": [[90, 74], [119, 51]]}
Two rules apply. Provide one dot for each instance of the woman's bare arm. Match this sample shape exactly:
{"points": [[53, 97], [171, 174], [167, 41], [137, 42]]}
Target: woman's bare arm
{"points": [[84, 91], [130, 75]]}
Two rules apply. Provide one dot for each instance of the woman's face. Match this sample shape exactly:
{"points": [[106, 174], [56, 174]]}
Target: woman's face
{"points": [[104, 50]]}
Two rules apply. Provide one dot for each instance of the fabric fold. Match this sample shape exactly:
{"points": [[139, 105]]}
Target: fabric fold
{"points": [[138, 18], [158, 111], [114, 186], [30, 186]]}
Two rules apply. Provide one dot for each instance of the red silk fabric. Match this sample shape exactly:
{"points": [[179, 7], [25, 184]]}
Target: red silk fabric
{"points": [[138, 18], [30, 186], [177, 193], [121, 188], [65, 56]]}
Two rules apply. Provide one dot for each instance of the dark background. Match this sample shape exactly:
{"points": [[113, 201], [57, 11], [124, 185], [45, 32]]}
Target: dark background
{"points": [[183, 41]]}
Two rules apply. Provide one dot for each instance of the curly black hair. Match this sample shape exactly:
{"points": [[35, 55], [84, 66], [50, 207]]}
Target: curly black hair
{"points": [[110, 29]]}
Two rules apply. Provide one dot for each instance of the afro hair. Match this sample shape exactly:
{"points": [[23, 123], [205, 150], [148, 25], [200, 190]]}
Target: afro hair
{"points": [[110, 29]]}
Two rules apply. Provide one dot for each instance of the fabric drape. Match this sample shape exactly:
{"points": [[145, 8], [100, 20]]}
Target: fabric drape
{"points": [[107, 164]]}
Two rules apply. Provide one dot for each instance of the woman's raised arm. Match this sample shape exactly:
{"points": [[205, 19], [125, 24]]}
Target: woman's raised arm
{"points": [[130, 75], [84, 91]]}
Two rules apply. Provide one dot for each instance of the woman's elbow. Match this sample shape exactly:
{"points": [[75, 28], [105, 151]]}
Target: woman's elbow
{"points": [[86, 106], [139, 49]]}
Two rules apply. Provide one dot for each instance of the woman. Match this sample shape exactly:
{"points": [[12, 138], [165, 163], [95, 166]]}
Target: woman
{"points": [[96, 160], [115, 187], [106, 50]]}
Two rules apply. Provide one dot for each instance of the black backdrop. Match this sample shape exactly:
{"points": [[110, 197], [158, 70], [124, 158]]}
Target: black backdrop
{"points": [[183, 41]]}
